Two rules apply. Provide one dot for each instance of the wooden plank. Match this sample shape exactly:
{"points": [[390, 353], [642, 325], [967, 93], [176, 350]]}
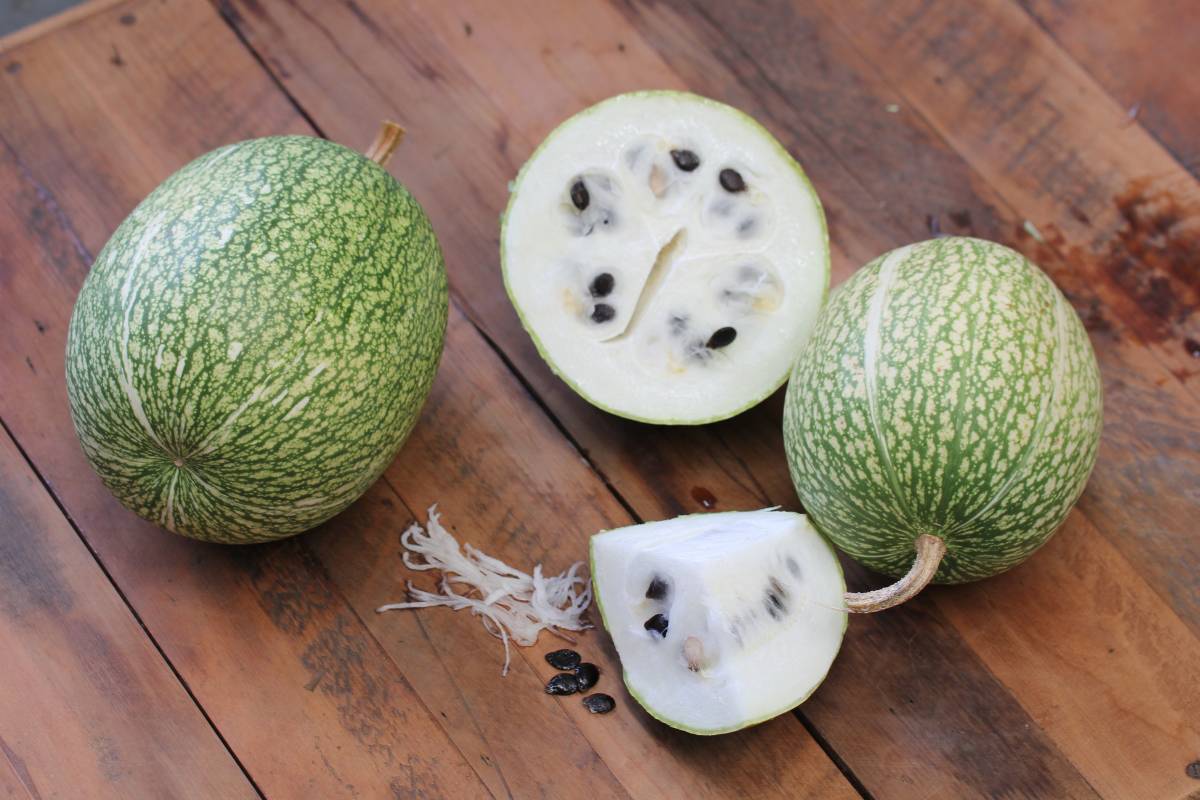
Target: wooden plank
{"points": [[462, 136], [1136, 50], [286, 670], [521, 472], [1054, 146], [1144, 404], [89, 708]]}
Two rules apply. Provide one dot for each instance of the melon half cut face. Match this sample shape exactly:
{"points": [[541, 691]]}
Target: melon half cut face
{"points": [[720, 620], [667, 256]]}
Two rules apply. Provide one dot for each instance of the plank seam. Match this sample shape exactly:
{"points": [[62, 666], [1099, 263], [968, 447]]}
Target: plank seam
{"points": [[136, 616]]}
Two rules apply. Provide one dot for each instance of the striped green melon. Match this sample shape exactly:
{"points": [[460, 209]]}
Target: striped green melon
{"points": [[256, 340], [949, 389]]}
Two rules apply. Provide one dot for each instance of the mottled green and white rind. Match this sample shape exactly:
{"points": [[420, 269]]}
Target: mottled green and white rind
{"points": [[256, 340], [949, 388]]}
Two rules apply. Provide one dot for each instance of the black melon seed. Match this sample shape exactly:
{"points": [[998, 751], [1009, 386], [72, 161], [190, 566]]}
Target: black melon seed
{"points": [[658, 624], [563, 683], [657, 589], [599, 703], [721, 337], [603, 312], [579, 195], [686, 160], [602, 285], [563, 659], [731, 180], [586, 675]]}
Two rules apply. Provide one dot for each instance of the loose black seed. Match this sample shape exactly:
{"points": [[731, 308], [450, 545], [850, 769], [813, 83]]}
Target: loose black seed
{"points": [[603, 312], [602, 285], [658, 624], [686, 160], [731, 180], [579, 195], [599, 703], [563, 659], [563, 683], [586, 675], [721, 337], [657, 589]]}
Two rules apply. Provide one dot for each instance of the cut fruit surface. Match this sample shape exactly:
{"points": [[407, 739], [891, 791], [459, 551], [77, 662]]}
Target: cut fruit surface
{"points": [[721, 621], [667, 256]]}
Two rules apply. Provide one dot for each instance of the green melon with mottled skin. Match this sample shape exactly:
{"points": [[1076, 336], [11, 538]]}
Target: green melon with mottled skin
{"points": [[256, 340], [949, 389]]}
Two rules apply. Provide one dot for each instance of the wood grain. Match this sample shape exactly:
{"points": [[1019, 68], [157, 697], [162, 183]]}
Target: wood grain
{"points": [[736, 461], [1135, 50], [514, 736], [83, 684], [285, 669], [1071, 676]]}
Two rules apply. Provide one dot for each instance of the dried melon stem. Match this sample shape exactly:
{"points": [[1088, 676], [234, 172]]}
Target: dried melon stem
{"points": [[930, 550], [510, 603], [386, 141]]}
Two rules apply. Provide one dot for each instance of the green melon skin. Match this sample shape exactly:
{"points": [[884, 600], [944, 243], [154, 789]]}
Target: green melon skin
{"points": [[256, 340], [949, 388]]}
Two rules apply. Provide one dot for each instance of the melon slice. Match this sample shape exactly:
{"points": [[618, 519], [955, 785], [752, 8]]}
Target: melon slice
{"points": [[667, 256], [721, 621]]}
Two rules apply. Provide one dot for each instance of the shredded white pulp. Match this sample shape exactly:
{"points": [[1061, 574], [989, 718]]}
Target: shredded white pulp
{"points": [[511, 604]]}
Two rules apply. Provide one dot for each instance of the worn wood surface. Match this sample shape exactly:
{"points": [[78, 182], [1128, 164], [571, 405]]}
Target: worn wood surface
{"points": [[137, 664]]}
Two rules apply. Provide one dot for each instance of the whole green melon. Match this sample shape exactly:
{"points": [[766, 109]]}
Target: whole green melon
{"points": [[256, 340], [949, 389]]}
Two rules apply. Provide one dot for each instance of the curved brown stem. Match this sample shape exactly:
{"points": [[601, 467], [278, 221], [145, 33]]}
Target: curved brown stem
{"points": [[930, 550], [389, 137]]}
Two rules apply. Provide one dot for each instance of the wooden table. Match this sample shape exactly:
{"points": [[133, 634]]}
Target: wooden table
{"points": [[139, 664]]}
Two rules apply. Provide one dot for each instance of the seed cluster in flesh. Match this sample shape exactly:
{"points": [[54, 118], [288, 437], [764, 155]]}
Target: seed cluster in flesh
{"points": [[949, 389], [255, 341], [720, 620], [667, 256]]}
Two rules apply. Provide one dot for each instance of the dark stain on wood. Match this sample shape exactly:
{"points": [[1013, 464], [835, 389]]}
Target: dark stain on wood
{"points": [[128, 19], [467, 29], [704, 497], [12, 67]]}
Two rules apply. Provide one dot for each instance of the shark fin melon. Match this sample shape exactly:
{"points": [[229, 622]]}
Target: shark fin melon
{"points": [[721, 621], [667, 256], [949, 391], [256, 340]]}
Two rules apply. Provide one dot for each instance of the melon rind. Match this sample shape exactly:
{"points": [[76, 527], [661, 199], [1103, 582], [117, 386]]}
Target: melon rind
{"points": [[949, 388], [256, 340], [770, 385]]}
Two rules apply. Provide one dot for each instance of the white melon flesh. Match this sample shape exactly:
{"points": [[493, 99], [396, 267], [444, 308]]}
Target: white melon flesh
{"points": [[642, 233], [752, 607]]}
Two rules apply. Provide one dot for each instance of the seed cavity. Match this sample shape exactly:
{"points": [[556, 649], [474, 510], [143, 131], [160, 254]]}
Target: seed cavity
{"points": [[774, 601], [677, 324], [731, 181], [579, 195], [563, 683], [563, 659], [686, 160], [792, 566], [658, 588], [721, 337], [586, 675], [602, 285], [602, 312], [658, 624], [599, 703]]}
